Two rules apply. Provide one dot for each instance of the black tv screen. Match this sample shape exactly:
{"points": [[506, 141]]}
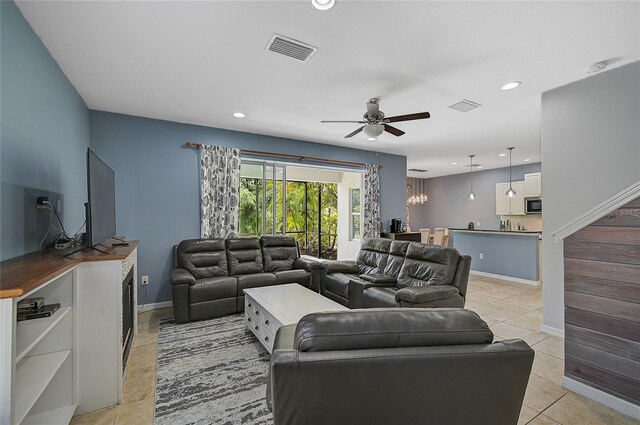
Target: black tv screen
{"points": [[101, 209]]}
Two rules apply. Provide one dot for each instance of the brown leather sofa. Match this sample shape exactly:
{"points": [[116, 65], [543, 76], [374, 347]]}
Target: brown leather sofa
{"points": [[396, 366], [211, 274], [390, 273]]}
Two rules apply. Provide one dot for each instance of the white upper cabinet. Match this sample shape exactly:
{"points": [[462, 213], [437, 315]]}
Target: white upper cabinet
{"points": [[503, 206], [517, 202], [532, 185], [507, 206]]}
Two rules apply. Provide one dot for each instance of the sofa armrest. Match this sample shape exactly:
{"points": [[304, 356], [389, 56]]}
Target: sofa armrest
{"points": [[181, 276], [425, 294], [333, 266], [307, 264], [378, 278], [364, 281]]}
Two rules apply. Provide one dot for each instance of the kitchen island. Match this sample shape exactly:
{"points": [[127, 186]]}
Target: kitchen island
{"points": [[510, 255]]}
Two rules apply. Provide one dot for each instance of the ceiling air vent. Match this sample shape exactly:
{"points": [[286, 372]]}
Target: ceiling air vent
{"points": [[417, 170], [465, 105], [290, 47]]}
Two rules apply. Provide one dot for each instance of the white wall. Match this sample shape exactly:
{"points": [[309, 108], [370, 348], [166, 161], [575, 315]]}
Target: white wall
{"points": [[347, 249], [590, 135]]}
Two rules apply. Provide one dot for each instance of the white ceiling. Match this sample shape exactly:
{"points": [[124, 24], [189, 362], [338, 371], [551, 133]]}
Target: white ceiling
{"points": [[198, 62]]}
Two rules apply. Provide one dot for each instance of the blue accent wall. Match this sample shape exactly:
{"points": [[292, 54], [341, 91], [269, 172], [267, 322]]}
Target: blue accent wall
{"points": [[44, 133], [157, 183], [504, 254]]}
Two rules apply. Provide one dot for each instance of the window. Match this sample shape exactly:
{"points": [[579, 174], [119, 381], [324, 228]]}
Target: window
{"points": [[306, 210], [354, 231]]}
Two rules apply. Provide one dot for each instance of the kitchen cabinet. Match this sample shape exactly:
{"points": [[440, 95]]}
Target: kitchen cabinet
{"points": [[532, 185], [507, 206], [517, 202], [503, 204]]}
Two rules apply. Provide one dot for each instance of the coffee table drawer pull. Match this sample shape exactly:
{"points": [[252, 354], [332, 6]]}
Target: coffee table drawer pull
{"points": [[248, 319], [266, 338], [257, 327], [266, 322], [257, 312], [249, 305]]}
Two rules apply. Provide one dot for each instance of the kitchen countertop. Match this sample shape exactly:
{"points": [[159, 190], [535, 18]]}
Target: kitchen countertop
{"points": [[500, 232]]}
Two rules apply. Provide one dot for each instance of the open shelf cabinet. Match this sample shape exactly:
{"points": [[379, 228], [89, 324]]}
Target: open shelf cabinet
{"points": [[41, 358]]}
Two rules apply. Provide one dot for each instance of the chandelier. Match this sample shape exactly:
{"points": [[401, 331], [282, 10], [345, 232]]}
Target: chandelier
{"points": [[418, 195]]}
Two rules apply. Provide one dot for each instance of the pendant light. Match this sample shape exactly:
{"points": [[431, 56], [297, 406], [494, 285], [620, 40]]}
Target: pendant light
{"points": [[510, 193], [418, 197], [472, 195]]}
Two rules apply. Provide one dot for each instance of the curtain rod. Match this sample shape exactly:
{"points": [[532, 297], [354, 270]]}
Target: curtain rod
{"points": [[300, 158]]}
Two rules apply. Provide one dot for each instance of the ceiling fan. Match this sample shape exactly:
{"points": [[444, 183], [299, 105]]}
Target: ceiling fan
{"points": [[376, 122]]}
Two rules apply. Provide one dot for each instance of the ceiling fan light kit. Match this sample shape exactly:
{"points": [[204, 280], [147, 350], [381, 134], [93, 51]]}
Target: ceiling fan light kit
{"points": [[376, 122], [373, 130]]}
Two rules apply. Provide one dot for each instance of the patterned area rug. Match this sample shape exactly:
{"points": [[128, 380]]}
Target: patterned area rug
{"points": [[211, 372]]}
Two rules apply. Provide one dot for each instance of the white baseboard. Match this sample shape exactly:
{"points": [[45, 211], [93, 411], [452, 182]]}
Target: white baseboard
{"points": [[155, 306], [552, 331], [509, 278], [601, 397]]}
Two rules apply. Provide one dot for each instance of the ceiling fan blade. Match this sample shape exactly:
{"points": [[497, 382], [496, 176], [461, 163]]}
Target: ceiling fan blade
{"points": [[393, 130], [354, 133], [408, 117], [373, 109], [352, 122]]}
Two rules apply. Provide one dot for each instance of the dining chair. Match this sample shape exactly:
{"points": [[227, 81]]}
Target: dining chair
{"points": [[438, 236], [425, 235]]}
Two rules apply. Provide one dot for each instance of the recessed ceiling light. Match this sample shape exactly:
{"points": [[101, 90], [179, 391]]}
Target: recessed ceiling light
{"points": [[323, 4], [479, 166], [503, 154], [371, 139], [511, 85], [454, 163], [238, 115], [526, 160]]}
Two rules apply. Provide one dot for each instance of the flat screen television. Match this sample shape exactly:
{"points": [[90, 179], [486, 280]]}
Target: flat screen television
{"points": [[101, 207]]}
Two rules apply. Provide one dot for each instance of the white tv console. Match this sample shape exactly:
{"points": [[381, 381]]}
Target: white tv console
{"points": [[72, 362]]}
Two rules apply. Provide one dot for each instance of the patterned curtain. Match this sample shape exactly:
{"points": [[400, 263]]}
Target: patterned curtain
{"points": [[371, 225], [219, 191]]}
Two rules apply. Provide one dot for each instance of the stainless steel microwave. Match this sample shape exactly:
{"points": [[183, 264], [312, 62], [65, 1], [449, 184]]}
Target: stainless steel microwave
{"points": [[533, 205]]}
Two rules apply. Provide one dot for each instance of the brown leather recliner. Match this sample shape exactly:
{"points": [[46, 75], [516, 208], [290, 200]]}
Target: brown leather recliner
{"points": [[396, 366]]}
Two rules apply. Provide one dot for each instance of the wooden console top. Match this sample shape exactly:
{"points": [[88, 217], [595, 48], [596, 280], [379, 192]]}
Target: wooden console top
{"points": [[21, 275]]}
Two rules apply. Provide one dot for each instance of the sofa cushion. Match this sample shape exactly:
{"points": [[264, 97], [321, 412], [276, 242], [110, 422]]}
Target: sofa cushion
{"points": [[426, 265], [372, 257], [213, 289], [244, 256], [302, 277], [203, 258], [338, 283], [255, 280], [278, 252], [390, 328], [397, 252], [380, 297]]}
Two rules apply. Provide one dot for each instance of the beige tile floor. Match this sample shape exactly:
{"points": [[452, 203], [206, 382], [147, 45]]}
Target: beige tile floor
{"points": [[511, 310]]}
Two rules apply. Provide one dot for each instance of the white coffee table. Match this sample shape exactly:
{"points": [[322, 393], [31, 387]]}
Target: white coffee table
{"points": [[269, 307]]}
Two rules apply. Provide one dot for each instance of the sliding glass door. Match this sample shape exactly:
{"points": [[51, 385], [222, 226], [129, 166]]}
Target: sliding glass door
{"points": [[270, 204]]}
